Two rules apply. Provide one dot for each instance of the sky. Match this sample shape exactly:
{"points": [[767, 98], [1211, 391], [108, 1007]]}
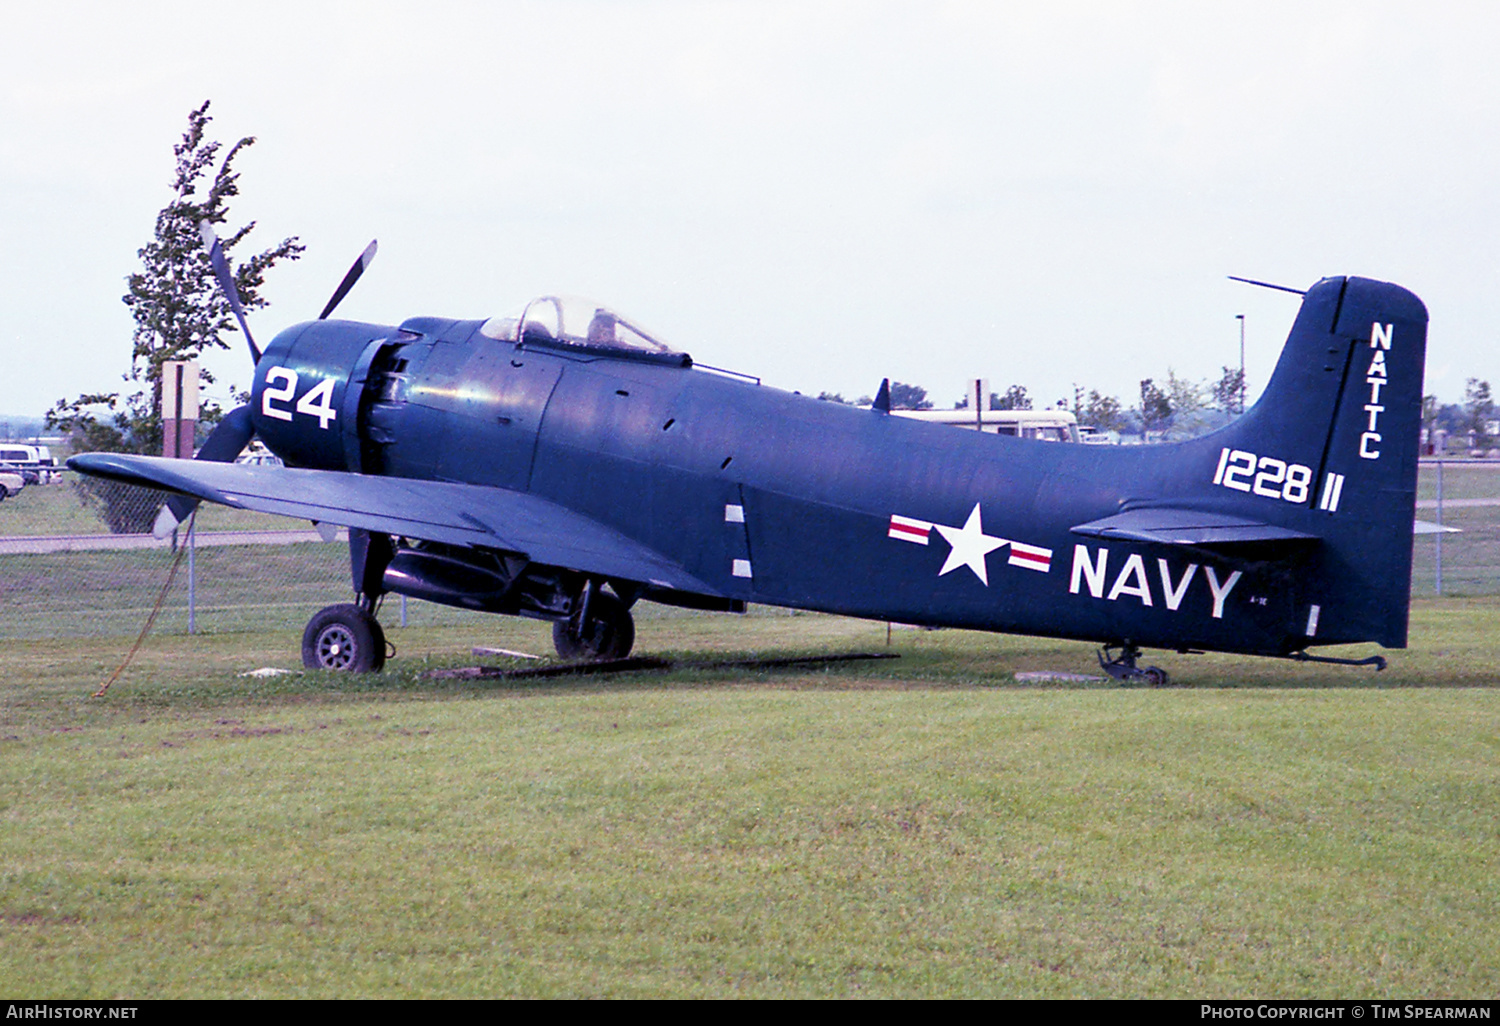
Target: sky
{"points": [[819, 193]]}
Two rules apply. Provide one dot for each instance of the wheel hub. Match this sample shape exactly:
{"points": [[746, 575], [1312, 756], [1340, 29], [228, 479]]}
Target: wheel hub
{"points": [[336, 648]]}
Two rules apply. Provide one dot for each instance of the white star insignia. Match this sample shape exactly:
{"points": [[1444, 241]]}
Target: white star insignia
{"points": [[970, 546]]}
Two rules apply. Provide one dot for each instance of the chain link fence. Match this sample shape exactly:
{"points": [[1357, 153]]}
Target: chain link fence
{"points": [[246, 572], [234, 571], [1462, 497]]}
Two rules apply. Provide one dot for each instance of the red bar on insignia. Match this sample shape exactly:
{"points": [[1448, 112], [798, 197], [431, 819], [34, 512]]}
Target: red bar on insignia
{"points": [[908, 529], [1030, 556]]}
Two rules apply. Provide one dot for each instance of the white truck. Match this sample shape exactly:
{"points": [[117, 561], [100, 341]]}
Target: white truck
{"points": [[34, 463], [1045, 425]]}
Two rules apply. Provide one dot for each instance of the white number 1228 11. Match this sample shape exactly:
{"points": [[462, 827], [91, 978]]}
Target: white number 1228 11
{"points": [[1263, 475]]}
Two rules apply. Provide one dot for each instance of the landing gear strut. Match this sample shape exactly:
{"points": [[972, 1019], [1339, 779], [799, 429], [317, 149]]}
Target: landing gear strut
{"points": [[1123, 669], [348, 637], [344, 637], [600, 628]]}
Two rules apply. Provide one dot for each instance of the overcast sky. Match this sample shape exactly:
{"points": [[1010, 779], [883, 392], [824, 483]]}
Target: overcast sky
{"points": [[823, 194]]}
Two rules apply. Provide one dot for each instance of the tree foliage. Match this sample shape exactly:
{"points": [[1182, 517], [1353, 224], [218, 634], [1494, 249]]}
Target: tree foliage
{"points": [[1188, 400], [1228, 393], [1015, 398], [1481, 410], [1156, 407], [1186, 395], [1101, 411], [179, 312], [175, 302], [909, 397]]}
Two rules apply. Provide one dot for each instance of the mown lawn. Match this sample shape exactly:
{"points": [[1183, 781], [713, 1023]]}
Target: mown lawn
{"points": [[922, 827]]}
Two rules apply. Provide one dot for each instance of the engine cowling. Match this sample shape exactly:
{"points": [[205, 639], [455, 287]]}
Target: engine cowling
{"points": [[309, 385]]}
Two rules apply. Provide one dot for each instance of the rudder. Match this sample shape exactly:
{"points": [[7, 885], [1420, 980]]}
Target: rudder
{"points": [[1343, 413]]}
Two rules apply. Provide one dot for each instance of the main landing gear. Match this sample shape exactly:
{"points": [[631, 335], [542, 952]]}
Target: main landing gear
{"points": [[587, 621], [345, 637], [601, 628], [1123, 669], [348, 637]]}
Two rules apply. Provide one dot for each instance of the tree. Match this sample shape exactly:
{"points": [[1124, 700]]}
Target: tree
{"points": [[1481, 410], [1102, 412], [909, 397], [174, 299], [1228, 393], [178, 309], [1187, 400], [1156, 407], [1015, 398]]}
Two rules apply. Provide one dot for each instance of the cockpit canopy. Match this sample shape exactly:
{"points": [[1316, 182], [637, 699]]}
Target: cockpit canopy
{"points": [[573, 321]]}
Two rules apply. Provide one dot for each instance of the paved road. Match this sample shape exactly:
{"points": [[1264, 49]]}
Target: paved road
{"points": [[15, 545]]}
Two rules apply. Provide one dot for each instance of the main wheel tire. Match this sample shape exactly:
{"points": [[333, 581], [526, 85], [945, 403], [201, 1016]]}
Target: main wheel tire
{"points": [[608, 634], [343, 638]]}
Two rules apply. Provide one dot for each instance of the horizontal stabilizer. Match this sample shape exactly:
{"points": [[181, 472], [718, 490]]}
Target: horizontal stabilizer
{"points": [[1428, 527], [1171, 526], [438, 511]]}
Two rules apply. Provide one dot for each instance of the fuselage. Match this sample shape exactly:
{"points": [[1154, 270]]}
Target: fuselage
{"points": [[566, 463], [776, 498]]}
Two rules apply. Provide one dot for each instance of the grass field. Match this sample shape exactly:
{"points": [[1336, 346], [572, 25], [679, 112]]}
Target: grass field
{"points": [[1461, 480], [922, 827], [1471, 559]]}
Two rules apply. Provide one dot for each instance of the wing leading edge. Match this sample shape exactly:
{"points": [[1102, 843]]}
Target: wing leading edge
{"points": [[438, 511]]}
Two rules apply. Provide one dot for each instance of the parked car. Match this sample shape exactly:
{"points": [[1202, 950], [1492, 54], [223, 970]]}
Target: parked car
{"points": [[33, 462], [11, 483]]}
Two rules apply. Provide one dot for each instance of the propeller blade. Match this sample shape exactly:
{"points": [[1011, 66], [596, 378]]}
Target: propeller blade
{"points": [[226, 282], [229, 437], [226, 442], [349, 280]]}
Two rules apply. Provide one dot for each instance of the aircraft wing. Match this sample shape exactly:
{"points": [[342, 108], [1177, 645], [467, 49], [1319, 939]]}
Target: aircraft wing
{"points": [[1173, 526], [438, 511]]}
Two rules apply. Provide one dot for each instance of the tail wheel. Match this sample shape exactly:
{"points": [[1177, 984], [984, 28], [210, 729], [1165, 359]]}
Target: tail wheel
{"points": [[608, 634], [343, 638]]}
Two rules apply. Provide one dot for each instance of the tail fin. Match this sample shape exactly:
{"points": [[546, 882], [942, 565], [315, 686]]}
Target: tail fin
{"points": [[1335, 439]]}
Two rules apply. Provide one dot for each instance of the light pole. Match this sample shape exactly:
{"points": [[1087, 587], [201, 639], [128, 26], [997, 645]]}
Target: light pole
{"points": [[1241, 319]]}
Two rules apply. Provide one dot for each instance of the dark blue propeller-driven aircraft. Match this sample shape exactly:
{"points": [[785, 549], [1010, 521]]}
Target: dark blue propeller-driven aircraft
{"points": [[564, 464]]}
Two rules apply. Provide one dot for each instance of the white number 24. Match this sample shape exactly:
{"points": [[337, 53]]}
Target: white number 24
{"points": [[318, 402]]}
